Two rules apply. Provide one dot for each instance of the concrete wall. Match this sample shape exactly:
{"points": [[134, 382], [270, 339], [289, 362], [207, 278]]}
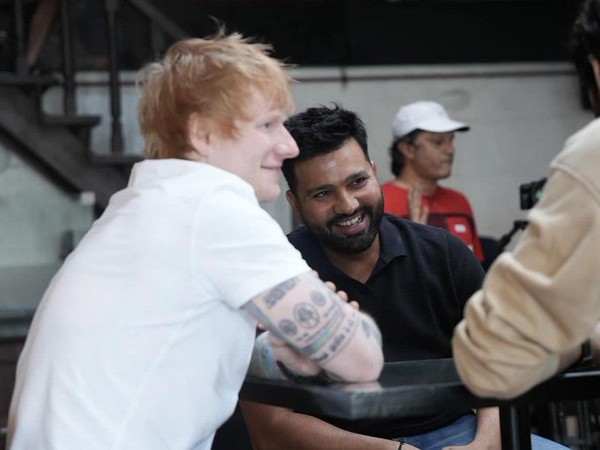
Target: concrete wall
{"points": [[520, 115]]}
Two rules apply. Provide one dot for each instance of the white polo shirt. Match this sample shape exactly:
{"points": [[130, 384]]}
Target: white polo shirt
{"points": [[139, 342]]}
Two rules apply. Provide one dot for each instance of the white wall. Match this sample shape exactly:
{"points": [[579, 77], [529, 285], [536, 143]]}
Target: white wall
{"points": [[520, 115]]}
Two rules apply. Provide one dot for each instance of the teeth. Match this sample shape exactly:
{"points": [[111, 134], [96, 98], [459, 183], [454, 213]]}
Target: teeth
{"points": [[349, 223]]}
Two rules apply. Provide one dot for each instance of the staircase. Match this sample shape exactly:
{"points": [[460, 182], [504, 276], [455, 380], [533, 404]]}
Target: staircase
{"points": [[59, 144]]}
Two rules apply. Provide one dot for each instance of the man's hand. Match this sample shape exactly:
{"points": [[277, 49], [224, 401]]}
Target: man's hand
{"points": [[342, 294], [418, 212]]}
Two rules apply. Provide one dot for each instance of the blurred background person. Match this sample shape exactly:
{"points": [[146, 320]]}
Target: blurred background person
{"points": [[422, 154]]}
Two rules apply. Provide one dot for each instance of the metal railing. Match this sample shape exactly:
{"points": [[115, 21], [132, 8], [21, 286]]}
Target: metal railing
{"points": [[162, 32]]}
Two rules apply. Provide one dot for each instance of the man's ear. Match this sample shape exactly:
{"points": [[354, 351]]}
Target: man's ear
{"points": [[293, 201], [374, 166], [406, 149], [198, 136]]}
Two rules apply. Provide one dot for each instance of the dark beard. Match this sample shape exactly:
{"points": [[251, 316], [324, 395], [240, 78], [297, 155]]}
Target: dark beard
{"points": [[349, 244]]}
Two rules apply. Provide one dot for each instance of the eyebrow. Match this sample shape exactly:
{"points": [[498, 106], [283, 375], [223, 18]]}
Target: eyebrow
{"points": [[349, 178]]}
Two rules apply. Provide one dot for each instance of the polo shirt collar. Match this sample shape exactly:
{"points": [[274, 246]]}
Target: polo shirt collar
{"points": [[392, 246], [391, 243]]}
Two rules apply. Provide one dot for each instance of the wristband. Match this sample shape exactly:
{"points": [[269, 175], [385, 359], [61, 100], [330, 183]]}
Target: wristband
{"points": [[585, 357]]}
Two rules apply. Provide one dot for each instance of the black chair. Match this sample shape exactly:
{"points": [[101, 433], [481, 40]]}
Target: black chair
{"points": [[491, 250], [233, 434]]}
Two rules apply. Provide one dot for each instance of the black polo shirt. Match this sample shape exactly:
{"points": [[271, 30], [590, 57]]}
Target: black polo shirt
{"points": [[416, 294]]}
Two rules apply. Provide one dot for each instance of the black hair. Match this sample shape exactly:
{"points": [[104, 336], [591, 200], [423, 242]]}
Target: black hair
{"points": [[319, 131], [397, 156], [584, 40]]}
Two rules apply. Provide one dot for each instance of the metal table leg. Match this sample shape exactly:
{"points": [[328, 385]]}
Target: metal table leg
{"points": [[515, 427]]}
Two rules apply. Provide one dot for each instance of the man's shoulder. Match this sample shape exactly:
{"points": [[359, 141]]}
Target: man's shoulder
{"points": [[449, 193], [581, 153], [410, 230], [431, 248], [421, 236], [302, 238], [390, 185], [391, 188]]}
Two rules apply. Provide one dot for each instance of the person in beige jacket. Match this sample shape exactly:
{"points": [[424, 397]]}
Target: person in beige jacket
{"points": [[543, 299]]}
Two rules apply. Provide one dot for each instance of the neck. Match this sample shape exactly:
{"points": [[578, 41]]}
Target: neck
{"points": [[357, 265], [409, 179]]}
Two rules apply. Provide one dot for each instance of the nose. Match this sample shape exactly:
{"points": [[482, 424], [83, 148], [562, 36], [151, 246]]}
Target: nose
{"points": [[346, 203], [450, 148], [288, 148]]}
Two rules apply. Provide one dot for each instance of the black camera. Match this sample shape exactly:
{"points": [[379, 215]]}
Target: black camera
{"points": [[531, 192]]}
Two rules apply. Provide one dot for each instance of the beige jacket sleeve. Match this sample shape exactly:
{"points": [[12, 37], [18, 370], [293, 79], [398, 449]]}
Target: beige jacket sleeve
{"points": [[544, 298]]}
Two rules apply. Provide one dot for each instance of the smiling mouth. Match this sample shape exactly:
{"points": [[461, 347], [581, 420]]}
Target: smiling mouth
{"points": [[350, 222]]}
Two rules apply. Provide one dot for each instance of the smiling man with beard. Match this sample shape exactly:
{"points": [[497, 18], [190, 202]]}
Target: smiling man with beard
{"points": [[413, 279]]}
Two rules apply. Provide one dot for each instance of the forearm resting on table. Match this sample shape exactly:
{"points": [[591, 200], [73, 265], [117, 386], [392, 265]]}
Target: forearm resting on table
{"points": [[276, 428], [265, 357], [320, 328], [538, 302]]}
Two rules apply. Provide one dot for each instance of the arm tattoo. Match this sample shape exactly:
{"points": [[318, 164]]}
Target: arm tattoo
{"points": [[258, 315], [320, 327], [371, 329], [318, 298], [279, 291], [288, 327], [263, 363], [337, 331], [307, 315]]}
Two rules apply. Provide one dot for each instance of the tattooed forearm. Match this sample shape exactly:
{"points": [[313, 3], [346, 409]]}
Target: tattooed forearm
{"points": [[279, 291], [322, 342], [310, 317], [263, 363], [257, 313], [371, 329]]}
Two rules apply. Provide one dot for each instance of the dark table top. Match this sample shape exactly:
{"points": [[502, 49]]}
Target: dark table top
{"points": [[409, 388]]}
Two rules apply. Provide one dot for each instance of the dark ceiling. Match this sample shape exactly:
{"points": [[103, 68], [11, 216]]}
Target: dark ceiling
{"points": [[368, 32], [331, 32]]}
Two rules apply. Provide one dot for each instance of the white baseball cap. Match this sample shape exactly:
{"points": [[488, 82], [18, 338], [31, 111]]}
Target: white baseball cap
{"points": [[426, 116]]}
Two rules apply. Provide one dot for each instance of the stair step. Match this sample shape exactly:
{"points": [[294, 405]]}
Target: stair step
{"points": [[73, 121], [80, 125], [12, 79]]}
